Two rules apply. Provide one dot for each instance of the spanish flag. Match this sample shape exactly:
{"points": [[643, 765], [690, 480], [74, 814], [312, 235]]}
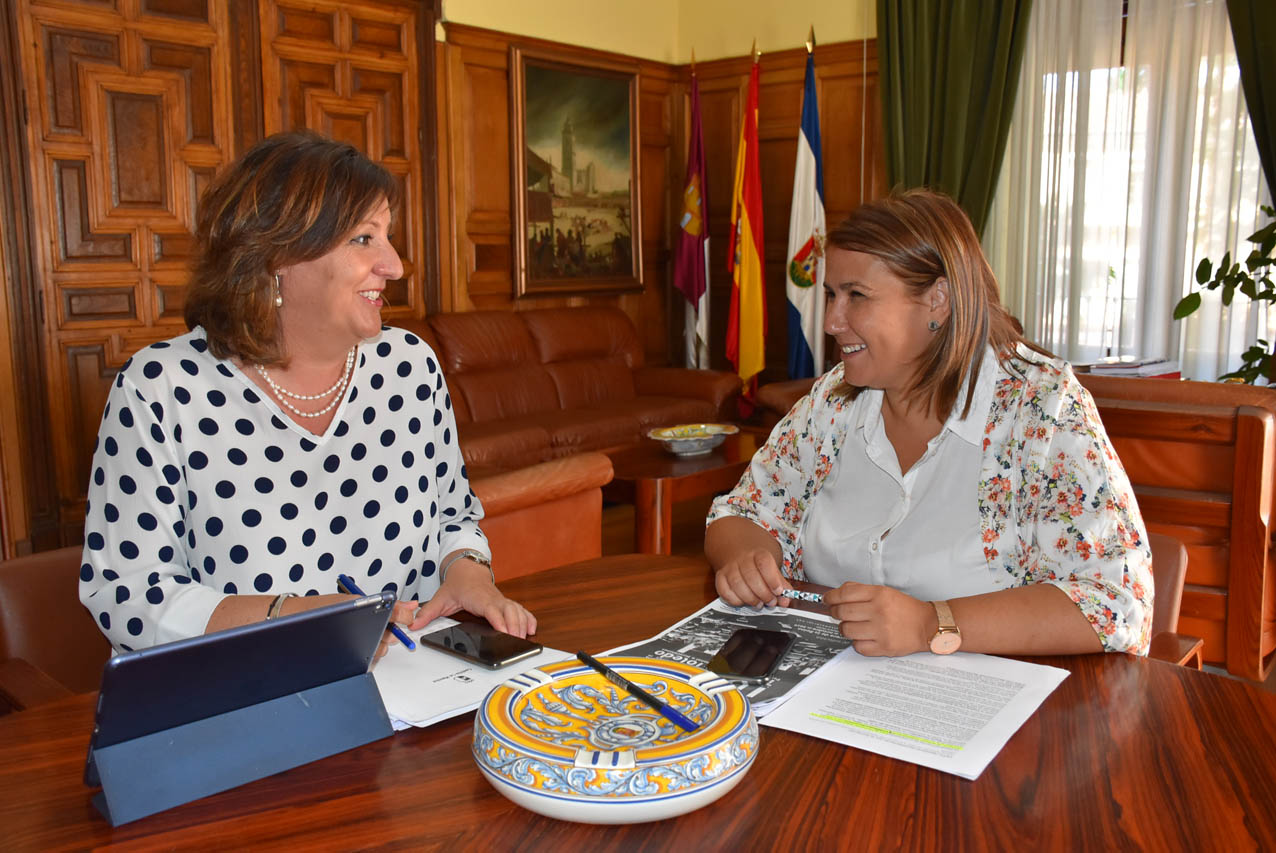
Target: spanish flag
{"points": [[746, 324]]}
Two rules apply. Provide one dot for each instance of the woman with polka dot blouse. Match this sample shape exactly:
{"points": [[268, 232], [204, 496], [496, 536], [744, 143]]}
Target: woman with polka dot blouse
{"points": [[289, 436]]}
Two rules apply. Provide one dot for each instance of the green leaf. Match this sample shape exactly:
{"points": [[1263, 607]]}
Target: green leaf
{"points": [[1226, 263], [1203, 271], [1229, 290], [1249, 288], [1187, 305]]}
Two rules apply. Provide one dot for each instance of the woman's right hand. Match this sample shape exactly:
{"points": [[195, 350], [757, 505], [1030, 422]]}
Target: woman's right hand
{"points": [[751, 578], [403, 614]]}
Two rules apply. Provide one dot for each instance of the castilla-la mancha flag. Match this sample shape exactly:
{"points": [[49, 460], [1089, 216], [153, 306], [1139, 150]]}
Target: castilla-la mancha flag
{"points": [[691, 249], [805, 287], [746, 323]]}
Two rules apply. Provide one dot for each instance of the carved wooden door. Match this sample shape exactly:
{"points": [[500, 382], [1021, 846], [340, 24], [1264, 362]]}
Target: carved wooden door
{"points": [[349, 71], [131, 107], [128, 106]]}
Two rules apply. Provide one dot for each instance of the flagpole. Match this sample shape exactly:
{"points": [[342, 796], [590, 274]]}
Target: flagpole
{"points": [[804, 270]]}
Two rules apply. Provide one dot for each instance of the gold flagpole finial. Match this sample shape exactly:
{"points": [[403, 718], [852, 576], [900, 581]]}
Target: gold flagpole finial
{"points": [[810, 40], [754, 50], [693, 62]]}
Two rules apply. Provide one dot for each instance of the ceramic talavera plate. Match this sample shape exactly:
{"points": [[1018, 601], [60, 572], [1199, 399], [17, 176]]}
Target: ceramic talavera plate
{"points": [[563, 741], [693, 439]]}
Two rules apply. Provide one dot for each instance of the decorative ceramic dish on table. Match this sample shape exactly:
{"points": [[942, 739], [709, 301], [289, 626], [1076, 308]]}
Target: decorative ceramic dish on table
{"points": [[692, 439], [563, 741]]}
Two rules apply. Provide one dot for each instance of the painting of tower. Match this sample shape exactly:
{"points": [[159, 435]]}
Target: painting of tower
{"points": [[569, 152], [578, 212]]}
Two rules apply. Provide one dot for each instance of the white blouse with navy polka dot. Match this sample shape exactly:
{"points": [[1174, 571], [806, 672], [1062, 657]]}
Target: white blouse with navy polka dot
{"points": [[202, 487]]}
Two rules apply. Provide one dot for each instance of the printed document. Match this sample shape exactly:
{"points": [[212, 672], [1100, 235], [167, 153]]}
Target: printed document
{"points": [[424, 687], [953, 713]]}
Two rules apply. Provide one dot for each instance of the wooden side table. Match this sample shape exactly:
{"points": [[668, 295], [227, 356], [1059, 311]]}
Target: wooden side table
{"points": [[653, 479]]}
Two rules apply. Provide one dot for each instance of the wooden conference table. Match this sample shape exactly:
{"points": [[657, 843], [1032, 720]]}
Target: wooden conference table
{"points": [[1127, 753]]}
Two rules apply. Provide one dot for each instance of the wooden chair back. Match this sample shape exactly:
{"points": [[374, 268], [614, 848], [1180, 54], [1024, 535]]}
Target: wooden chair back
{"points": [[43, 623]]}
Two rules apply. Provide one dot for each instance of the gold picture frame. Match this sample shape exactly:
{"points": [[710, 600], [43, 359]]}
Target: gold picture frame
{"points": [[577, 219]]}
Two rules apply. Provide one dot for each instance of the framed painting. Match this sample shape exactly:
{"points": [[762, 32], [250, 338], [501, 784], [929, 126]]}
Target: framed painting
{"points": [[574, 134]]}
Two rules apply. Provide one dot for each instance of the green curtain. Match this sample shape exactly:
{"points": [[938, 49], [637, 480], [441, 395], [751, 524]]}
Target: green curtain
{"points": [[949, 71], [1254, 33]]}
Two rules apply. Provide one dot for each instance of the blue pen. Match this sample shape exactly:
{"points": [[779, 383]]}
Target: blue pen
{"points": [[345, 584], [637, 692]]}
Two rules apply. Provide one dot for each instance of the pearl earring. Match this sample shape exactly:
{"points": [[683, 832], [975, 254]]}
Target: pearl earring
{"points": [[279, 299], [933, 325]]}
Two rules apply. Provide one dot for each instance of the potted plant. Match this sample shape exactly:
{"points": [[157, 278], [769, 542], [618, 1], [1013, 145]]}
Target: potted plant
{"points": [[1253, 280]]}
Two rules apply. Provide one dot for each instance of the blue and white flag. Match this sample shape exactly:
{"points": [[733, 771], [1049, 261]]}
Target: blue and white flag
{"points": [[805, 286]]}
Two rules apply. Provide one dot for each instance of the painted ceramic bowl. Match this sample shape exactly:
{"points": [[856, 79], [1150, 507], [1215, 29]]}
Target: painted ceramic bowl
{"points": [[563, 741], [692, 439]]}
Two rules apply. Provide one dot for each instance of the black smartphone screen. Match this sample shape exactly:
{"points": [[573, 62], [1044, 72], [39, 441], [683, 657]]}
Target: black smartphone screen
{"points": [[751, 654], [482, 644]]}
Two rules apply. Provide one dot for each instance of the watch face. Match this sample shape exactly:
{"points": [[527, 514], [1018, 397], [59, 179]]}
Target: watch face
{"points": [[945, 642]]}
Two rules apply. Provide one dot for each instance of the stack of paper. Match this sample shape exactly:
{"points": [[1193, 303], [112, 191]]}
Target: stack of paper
{"points": [[423, 687], [1129, 366], [953, 713]]}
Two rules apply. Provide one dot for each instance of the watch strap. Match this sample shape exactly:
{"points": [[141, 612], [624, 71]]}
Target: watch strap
{"points": [[466, 554]]}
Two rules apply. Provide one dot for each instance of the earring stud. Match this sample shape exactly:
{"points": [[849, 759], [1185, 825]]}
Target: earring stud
{"points": [[933, 325], [279, 299]]}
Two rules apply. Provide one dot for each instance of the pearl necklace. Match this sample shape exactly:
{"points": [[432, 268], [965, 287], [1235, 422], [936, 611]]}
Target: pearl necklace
{"points": [[282, 393]]}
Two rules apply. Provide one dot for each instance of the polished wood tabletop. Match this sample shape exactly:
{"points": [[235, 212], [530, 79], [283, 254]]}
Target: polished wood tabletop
{"points": [[1126, 754], [653, 480]]}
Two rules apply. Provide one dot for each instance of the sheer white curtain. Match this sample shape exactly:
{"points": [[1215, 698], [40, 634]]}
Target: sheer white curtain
{"points": [[1120, 176]]}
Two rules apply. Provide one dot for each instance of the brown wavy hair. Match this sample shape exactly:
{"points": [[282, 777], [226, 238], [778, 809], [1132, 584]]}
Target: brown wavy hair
{"points": [[922, 236], [292, 197]]}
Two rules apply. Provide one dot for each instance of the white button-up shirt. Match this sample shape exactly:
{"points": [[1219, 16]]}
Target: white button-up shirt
{"points": [[918, 531]]}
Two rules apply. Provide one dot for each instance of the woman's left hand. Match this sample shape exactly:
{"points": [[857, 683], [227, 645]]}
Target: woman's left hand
{"points": [[881, 620], [469, 587]]}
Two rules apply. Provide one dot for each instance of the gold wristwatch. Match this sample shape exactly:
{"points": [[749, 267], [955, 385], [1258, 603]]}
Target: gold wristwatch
{"points": [[948, 638]]}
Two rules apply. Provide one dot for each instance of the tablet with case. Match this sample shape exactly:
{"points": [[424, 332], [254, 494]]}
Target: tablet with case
{"points": [[185, 719]]}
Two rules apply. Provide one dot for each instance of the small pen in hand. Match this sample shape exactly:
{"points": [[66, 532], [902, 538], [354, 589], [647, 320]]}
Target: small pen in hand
{"points": [[637, 692], [346, 584], [799, 595]]}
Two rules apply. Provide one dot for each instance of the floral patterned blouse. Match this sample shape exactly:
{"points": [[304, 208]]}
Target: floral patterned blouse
{"points": [[1055, 504]]}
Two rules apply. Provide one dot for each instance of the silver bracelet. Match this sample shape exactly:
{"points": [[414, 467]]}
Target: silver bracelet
{"points": [[277, 605], [466, 554]]}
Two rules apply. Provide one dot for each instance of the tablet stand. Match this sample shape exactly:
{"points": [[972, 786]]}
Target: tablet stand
{"points": [[148, 774]]}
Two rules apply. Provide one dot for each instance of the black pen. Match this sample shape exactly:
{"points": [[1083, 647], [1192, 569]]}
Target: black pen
{"points": [[637, 692], [346, 584]]}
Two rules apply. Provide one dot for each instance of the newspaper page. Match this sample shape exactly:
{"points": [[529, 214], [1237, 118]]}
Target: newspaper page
{"points": [[697, 638]]}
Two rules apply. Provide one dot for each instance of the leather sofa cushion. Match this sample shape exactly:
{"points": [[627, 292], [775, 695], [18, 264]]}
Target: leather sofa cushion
{"points": [[651, 412], [571, 334], [503, 393], [586, 383], [577, 430], [502, 445], [483, 340]]}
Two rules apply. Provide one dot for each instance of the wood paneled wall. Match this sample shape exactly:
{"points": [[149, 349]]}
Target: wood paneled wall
{"points": [[126, 108], [476, 251], [475, 180]]}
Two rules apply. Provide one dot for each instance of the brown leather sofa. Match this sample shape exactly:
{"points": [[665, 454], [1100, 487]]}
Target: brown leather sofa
{"points": [[528, 386], [1202, 459], [537, 517]]}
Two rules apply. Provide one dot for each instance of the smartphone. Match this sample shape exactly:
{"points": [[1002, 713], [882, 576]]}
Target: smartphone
{"points": [[751, 654], [482, 644]]}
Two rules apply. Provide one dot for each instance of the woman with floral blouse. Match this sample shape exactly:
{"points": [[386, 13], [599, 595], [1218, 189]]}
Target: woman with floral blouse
{"points": [[951, 482]]}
